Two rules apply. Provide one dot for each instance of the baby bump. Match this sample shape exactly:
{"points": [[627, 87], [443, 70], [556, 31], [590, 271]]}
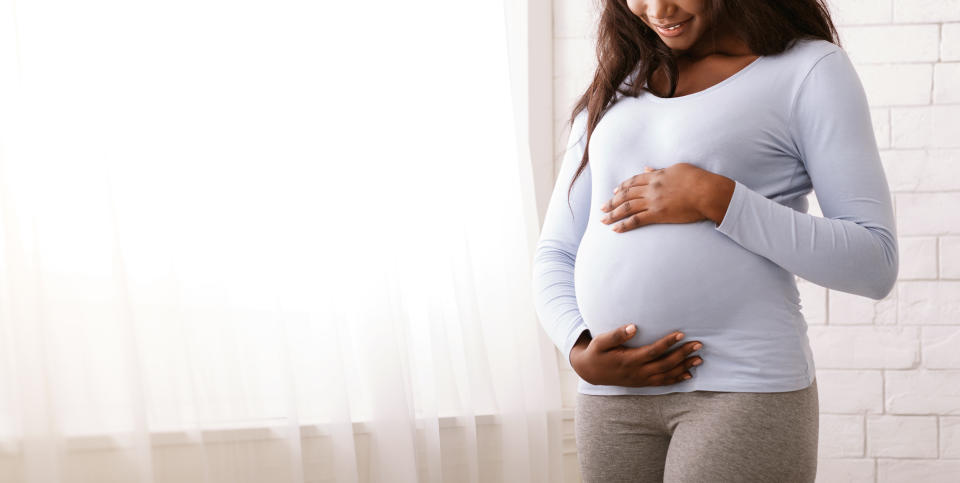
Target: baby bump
{"points": [[679, 276]]}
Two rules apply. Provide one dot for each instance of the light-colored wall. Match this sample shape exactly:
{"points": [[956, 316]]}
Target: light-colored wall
{"points": [[888, 371]]}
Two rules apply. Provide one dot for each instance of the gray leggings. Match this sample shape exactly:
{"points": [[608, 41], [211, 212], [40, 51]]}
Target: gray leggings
{"points": [[699, 436]]}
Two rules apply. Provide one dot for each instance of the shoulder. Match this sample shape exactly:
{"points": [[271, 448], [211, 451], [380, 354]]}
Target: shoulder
{"points": [[828, 92], [803, 54], [578, 129], [810, 64], [812, 47], [824, 66]]}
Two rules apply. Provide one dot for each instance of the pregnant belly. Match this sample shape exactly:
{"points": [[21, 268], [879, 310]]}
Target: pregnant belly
{"points": [[690, 277]]}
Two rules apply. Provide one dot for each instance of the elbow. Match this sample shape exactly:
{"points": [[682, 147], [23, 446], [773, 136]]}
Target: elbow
{"points": [[881, 287], [549, 252], [884, 278]]}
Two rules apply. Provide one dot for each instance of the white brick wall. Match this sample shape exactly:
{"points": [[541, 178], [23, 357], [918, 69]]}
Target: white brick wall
{"points": [[888, 370]]}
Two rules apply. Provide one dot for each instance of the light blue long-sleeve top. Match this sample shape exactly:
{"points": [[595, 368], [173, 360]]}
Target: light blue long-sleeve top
{"points": [[784, 125]]}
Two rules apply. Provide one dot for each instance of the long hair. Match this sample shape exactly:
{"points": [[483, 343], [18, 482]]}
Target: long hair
{"points": [[625, 43]]}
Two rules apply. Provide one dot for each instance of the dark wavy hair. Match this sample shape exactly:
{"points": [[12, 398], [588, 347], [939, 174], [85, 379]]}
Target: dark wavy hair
{"points": [[626, 43]]}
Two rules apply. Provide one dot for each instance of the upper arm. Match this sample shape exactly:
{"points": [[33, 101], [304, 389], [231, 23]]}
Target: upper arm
{"points": [[833, 133], [565, 223]]}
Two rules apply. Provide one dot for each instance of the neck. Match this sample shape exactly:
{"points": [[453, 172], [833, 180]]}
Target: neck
{"points": [[721, 41]]}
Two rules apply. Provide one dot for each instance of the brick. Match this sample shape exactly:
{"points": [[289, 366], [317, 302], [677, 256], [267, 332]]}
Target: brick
{"points": [[932, 126], [949, 257], [950, 42], [909, 170], [845, 470], [865, 347], [918, 257], [858, 12], [850, 392], [927, 213], [946, 82], [891, 43], [926, 11], [902, 436], [896, 84], [850, 309], [925, 471], [840, 436], [938, 346], [900, 167], [880, 116], [935, 302], [950, 437], [922, 391], [910, 127]]}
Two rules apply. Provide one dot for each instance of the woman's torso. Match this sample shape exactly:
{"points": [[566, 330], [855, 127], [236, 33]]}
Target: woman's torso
{"points": [[690, 276]]}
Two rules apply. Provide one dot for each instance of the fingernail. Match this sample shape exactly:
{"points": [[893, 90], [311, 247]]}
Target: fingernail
{"points": [[616, 189], [680, 336], [697, 346], [630, 329], [698, 362]]}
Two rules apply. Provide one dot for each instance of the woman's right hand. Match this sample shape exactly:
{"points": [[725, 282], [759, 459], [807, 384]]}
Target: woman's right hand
{"points": [[603, 360]]}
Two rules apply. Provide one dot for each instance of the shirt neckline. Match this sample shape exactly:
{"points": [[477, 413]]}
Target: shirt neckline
{"points": [[649, 95]]}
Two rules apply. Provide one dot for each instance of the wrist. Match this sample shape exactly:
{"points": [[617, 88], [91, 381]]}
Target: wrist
{"points": [[578, 347], [718, 191]]}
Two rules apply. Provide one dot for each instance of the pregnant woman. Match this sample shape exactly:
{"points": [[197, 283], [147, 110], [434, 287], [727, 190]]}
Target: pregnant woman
{"points": [[680, 212]]}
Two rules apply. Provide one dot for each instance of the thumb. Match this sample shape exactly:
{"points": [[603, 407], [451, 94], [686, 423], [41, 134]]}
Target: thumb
{"points": [[613, 338]]}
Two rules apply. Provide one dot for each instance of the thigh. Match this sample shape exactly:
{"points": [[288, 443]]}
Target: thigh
{"points": [[750, 436], [620, 439]]}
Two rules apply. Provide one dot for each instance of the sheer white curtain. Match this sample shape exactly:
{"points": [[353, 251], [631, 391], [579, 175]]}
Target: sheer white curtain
{"points": [[266, 241]]}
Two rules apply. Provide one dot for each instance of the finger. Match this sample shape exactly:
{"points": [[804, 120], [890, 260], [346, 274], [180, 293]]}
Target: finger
{"points": [[618, 199], [635, 204], [633, 180], [609, 340], [678, 374], [636, 180], [636, 357], [635, 220], [669, 369], [653, 350], [670, 377], [672, 359], [676, 358], [624, 184]]}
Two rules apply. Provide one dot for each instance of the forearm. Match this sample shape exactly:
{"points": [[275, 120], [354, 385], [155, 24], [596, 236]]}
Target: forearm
{"points": [[859, 258], [555, 297]]}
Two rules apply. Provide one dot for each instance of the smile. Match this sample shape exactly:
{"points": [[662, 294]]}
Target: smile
{"points": [[673, 29]]}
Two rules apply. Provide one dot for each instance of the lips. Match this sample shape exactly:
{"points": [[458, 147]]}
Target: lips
{"points": [[679, 28], [671, 24]]}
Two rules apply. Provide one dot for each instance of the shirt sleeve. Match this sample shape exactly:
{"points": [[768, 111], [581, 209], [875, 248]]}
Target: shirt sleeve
{"points": [[556, 250], [853, 247]]}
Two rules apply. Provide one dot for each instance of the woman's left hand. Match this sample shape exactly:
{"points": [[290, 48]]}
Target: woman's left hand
{"points": [[678, 193]]}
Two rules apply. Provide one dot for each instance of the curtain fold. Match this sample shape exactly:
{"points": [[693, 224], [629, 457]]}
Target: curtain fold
{"points": [[268, 241]]}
